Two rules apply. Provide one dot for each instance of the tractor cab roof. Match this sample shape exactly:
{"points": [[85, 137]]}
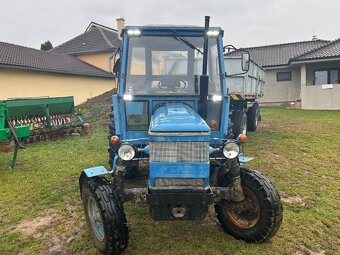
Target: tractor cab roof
{"points": [[172, 29]]}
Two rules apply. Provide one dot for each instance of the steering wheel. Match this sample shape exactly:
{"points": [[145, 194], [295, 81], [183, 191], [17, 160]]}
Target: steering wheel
{"points": [[172, 84]]}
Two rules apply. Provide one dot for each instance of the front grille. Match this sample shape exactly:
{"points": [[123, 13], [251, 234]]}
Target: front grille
{"points": [[179, 152], [179, 182]]}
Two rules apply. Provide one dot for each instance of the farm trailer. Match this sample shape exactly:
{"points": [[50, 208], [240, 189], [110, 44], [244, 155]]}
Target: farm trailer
{"points": [[245, 88]]}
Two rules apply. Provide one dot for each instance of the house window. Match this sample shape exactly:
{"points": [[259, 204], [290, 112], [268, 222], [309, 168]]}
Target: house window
{"points": [[284, 76], [327, 76]]}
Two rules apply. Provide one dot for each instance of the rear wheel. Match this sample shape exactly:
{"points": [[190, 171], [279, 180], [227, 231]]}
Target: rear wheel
{"points": [[131, 170], [253, 117], [104, 215], [113, 149], [261, 215], [239, 120]]}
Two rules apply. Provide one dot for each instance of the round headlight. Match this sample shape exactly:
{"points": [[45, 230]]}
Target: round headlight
{"points": [[126, 152], [231, 150]]}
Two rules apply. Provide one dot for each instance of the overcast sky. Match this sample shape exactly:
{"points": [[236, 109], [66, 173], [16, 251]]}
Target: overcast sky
{"points": [[245, 22]]}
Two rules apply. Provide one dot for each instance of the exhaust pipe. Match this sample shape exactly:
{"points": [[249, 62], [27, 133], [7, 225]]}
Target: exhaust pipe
{"points": [[204, 79]]}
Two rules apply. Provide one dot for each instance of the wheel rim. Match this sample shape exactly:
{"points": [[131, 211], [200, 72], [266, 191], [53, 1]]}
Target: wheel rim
{"points": [[95, 219], [250, 216]]}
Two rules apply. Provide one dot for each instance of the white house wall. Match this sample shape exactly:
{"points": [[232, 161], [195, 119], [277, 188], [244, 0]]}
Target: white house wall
{"points": [[281, 92], [317, 96]]}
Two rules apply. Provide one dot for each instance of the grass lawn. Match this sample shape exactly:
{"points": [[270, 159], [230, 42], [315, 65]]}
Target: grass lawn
{"points": [[41, 211]]}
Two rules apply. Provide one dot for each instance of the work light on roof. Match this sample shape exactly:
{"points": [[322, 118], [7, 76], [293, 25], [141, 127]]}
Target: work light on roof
{"points": [[134, 32], [213, 33]]}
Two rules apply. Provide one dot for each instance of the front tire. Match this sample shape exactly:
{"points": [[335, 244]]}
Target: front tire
{"points": [[263, 214], [104, 215]]}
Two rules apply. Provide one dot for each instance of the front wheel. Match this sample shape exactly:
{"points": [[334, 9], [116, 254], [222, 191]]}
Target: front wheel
{"points": [[261, 216], [104, 215]]}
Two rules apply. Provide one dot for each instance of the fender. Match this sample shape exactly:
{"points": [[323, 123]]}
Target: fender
{"points": [[100, 170]]}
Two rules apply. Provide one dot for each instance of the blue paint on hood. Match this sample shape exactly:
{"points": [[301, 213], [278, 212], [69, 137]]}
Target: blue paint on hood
{"points": [[177, 117]]}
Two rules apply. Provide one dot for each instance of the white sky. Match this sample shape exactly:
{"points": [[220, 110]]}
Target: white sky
{"points": [[245, 22]]}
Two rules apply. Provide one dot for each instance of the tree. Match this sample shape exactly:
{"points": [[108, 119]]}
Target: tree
{"points": [[46, 46]]}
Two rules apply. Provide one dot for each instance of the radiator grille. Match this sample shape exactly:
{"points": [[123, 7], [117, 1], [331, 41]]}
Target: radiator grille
{"points": [[179, 182], [179, 152]]}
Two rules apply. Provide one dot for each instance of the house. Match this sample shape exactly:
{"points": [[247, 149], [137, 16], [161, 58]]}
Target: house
{"points": [[301, 72], [27, 72], [80, 67], [95, 46]]}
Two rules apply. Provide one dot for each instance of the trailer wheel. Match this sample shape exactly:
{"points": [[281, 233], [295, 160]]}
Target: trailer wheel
{"points": [[104, 215], [263, 214], [253, 117], [239, 120]]}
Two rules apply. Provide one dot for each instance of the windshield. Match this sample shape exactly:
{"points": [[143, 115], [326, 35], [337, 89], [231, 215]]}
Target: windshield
{"points": [[170, 66]]}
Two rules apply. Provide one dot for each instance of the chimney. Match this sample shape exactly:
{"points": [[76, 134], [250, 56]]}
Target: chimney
{"points": [[120, 26], [315, 38]]}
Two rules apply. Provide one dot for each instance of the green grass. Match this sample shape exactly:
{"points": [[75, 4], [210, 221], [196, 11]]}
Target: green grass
{"points": [[298, 150]]}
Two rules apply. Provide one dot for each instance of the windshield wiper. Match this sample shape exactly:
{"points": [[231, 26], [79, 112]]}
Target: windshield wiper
{"points": [[184, 41]]}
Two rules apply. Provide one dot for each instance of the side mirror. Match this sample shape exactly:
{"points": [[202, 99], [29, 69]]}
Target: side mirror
{"points": [[245, 61], [116, 68]]}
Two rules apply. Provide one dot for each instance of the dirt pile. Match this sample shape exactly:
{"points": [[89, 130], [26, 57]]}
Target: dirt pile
{"points": [[96, 110]]}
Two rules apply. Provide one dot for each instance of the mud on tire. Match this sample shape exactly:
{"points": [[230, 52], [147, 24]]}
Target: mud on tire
{"points": [[253, 226], [113, 236]]}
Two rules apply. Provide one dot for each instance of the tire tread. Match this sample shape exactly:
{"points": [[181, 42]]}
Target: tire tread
{"points": [[272, 205], [115, 223]]}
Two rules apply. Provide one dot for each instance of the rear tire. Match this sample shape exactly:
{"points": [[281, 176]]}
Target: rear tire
{"points": [[113, 149], [253, 117], [104, 215], [131, 171], [263, 216], [239, 120]]}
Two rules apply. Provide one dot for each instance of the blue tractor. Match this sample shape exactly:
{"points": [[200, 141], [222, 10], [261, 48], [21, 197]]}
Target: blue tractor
{"points": [[176, 117]]}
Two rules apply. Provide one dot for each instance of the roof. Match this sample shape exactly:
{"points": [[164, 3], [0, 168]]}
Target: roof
{"points": [[281, 54], [96, 38], [16, 56], [172, 29], [331, 50], [95, 24]]}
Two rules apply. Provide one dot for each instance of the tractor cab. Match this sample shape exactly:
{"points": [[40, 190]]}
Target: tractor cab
{"points": [[163, 65]]}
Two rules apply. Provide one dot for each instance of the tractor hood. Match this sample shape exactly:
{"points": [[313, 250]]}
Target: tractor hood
{"points": [[177, 117]]}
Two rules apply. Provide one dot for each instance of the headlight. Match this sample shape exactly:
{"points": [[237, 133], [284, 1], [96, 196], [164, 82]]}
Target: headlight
{"points": [[231, 150], [126, 152]]}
